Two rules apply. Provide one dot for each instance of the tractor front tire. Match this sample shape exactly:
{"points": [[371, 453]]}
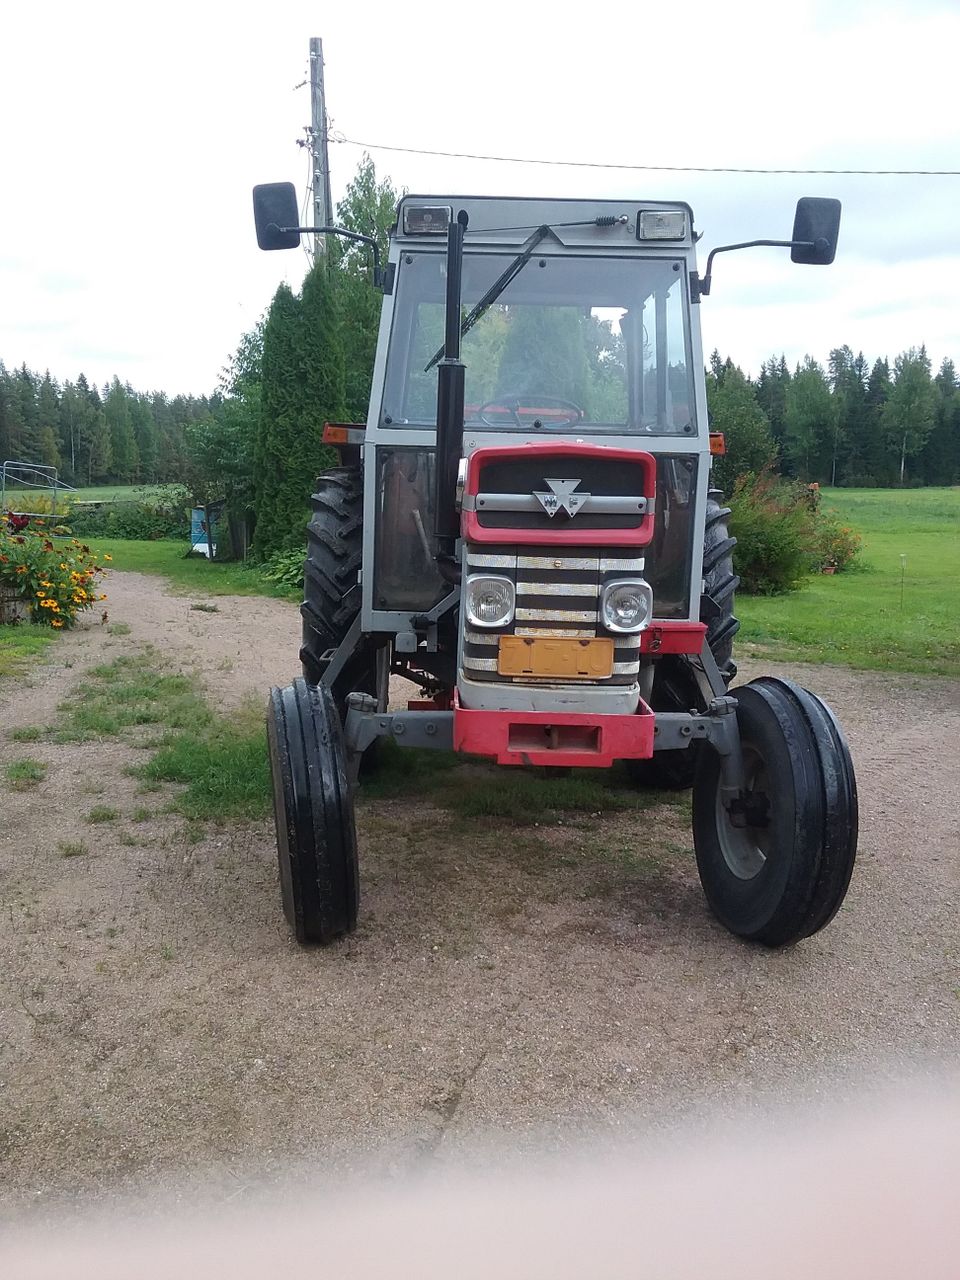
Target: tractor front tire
{"points": [[778, 868], [313, 810], [674, 688]]}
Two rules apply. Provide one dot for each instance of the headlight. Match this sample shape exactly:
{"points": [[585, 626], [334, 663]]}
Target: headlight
{"points": [[626, 605], [490, 600]]}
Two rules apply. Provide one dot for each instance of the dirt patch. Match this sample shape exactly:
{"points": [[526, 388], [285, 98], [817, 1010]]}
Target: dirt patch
{"points": [[156, 1018]]}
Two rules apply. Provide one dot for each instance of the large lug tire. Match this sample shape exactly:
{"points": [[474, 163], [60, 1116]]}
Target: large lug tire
{"points": [[674, 688], [313, 810], [779, 870], [330, 581], [719, 585]]}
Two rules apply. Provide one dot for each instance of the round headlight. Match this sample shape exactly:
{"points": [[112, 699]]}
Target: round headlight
{"points": [[489, 600], [626, 605]]}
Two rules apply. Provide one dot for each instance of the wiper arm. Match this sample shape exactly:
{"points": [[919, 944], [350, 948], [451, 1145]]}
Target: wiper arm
{"points": [[495, 290]]}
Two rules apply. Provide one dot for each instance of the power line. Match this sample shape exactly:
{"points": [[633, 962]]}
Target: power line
{"points": [[649, 168]]}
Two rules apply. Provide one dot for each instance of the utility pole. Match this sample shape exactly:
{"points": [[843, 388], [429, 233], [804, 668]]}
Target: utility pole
{"points": [[322, 203]]}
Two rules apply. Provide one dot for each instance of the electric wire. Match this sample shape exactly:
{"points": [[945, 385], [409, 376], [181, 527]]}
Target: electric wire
{"points": [[646, 168]]}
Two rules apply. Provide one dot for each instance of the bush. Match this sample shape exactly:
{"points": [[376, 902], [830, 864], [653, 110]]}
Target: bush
{"points": [[776, 534], [41, 504], [285, 568], [838, 545], [147, 520], [57, 582]]}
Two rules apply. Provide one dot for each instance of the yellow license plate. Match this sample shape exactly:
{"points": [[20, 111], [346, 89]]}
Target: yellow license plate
{"points": [[569, 659]]}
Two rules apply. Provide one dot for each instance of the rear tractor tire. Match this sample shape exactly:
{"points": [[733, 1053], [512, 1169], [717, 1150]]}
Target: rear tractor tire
{"points": [[674, 688], [313, 810], [331, 587], [777, 867]]}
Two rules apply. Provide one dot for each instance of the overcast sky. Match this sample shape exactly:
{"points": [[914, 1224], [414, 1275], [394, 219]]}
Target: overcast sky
{"points": [[132, 134]]}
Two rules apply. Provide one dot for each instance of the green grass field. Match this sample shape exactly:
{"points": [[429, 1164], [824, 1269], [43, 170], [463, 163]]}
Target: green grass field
{"points": [[17, 499], [858, 618]]}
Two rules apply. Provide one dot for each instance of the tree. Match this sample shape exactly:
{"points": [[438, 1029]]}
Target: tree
{"points": [[940, 459], [908, 415], [48, 422], [544, 354], [845, 373], [303, 386], [123, 445], [147, 438], [368, 207], [734, 411], [772, 394], [809, 422]]}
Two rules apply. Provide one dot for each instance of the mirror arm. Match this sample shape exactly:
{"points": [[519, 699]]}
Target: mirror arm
{"points": [[703, 285], [344, 234]]}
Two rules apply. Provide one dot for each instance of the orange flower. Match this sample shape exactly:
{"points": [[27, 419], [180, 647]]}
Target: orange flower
{"points": [[41, 594], [56, 622], [106, 557]]}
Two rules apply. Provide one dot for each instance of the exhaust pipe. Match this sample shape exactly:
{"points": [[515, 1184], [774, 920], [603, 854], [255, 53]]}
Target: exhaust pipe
{"points": [[450, 387]]}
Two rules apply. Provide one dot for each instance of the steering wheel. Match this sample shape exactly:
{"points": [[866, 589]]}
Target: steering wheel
{"points": [[570, 412]]}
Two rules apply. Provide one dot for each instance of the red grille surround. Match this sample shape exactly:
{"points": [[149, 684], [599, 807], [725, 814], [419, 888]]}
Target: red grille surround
{"points": [[567, 532]]}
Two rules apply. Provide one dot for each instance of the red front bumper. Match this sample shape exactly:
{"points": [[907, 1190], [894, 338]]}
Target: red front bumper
{"points": [[548, 737]]}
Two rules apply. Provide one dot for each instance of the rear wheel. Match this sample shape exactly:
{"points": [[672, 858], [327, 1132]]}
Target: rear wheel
{"points": [[674, 688], [313, 810], [775, 867], [331, 585]]}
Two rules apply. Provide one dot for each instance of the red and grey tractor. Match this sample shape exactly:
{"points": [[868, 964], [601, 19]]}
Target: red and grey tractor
{"points": [[525, 528]]}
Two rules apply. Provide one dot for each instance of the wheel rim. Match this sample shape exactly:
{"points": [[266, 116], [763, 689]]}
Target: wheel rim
{"points": [[746, 848]]}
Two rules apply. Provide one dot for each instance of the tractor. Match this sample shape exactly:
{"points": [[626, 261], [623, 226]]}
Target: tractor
{"points": [[525, 528]]}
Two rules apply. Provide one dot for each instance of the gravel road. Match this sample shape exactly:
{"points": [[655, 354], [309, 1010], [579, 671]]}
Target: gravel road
{"points": [[157, 1021]]}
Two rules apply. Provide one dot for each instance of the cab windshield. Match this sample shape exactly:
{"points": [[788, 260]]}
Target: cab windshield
{"points": [[571, 343]]}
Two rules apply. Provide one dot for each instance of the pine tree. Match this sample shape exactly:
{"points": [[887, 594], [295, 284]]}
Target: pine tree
{"points": [[48, 422], [123, 445], [146, 437], [940, 458], [772, 395], [303, 386]]}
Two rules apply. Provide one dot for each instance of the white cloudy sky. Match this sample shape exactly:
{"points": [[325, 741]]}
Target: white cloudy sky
{"points": [[131, 136]]}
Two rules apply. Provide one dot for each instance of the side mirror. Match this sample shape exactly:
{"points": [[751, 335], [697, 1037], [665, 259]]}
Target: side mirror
{"points": [[818, 223], [275, 213]]}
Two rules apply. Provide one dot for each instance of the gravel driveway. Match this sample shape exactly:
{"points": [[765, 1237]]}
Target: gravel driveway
{"points": [[156, 1019]]}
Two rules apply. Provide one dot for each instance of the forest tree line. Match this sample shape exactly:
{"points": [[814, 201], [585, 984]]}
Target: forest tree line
{"points": [[97, 435], [256, 440]]}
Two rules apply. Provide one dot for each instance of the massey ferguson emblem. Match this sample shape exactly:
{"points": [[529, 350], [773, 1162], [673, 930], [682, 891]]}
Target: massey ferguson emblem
{"points": [[561, 497]]}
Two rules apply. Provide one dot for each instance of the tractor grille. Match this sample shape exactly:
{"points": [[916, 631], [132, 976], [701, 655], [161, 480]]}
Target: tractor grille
{"points": [[557, 595]]}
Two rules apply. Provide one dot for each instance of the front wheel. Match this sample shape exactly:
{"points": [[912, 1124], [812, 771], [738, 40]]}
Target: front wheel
{"points": [[313, 809], [775, 866]]}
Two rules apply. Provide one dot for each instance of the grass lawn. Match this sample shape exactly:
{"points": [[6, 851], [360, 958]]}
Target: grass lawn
{"points": [[20, 644], [856, 618], [194, 574]]}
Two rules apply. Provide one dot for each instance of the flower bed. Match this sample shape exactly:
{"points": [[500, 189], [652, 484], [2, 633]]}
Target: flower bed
{"points": [[55, 580]]}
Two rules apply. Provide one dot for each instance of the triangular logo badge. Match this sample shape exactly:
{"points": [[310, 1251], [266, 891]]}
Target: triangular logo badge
{"points": [[561, 497]]}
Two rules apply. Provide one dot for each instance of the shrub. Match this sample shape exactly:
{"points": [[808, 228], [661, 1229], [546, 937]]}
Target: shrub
{"points": [[57, 582], [146, 520], [837, 545], [776, 534], [286, 568], [41, 504]]}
